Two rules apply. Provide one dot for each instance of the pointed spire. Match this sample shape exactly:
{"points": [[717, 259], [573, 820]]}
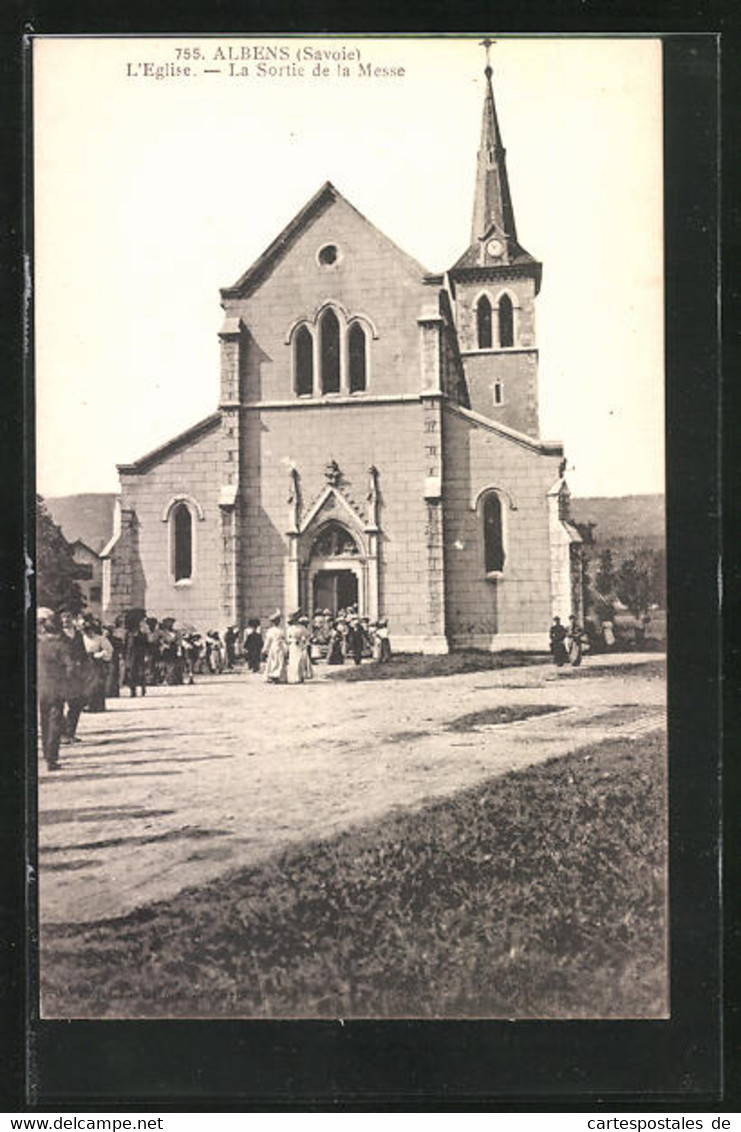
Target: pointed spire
{"points": [[492, 203], [494, 242]]}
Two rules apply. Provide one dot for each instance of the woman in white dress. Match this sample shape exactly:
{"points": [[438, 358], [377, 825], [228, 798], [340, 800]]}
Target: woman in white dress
{"points": [[276, 652], [299, 661]]}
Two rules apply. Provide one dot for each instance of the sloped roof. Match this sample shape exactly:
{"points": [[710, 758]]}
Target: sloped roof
{"points": [[326, 196], [78, 543], [144, 463], [542, 447], [493, 212], [571, 531], [492, 203], [517, 256]]}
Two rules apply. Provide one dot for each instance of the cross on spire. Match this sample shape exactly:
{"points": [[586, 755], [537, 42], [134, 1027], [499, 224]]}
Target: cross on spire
{"points": [[492, 201], [487, 44]]}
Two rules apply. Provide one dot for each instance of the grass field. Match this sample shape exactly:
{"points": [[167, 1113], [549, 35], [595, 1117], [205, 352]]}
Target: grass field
{"points": [[415, 666], [537, 895]]}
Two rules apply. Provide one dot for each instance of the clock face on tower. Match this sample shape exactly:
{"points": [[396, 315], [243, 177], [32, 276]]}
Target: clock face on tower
{"points": [[495, 248]]}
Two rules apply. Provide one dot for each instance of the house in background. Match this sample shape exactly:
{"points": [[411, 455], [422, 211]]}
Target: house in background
{"points": [[90, 576], [87, 523], [376, 444]]}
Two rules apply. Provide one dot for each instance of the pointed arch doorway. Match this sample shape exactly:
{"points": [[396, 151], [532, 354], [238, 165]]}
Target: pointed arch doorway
{"points": [[336, 569], [332, 560]]}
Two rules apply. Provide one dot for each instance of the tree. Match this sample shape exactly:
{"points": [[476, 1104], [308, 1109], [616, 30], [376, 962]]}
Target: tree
{"points": [[658, 578], [586, 530], [605, 578], [56, 569], [634, 583]]}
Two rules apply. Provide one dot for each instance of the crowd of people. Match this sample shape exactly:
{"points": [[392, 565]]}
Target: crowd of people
{"points": [[290, 653], [82, 662]]}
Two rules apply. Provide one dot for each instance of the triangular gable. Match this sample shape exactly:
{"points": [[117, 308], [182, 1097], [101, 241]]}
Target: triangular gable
{"points": [[281, 245], [84, 545], [332, 504]]}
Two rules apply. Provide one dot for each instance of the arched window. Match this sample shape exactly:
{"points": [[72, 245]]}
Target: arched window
{"points": [[506, 322], [493, 534], [182, 542], [357, 358], [329, 351], [483, 323], [304, 361], [334, 541]]}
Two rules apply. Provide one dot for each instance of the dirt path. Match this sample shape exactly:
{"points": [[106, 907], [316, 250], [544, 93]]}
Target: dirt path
{"points": [[170, 791]]}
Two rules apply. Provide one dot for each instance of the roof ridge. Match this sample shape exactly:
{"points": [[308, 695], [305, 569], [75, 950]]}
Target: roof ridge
{"points": [[327, 193]]}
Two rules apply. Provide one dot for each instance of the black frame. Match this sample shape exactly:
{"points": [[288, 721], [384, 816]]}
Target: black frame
{"points": [[267, 1066]]}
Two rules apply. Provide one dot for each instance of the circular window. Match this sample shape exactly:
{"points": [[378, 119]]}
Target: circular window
{"points": [[328, 255]]}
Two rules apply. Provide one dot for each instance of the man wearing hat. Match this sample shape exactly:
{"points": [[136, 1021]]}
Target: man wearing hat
{"points": [[78, 681], [54, 672], [136, 652]]}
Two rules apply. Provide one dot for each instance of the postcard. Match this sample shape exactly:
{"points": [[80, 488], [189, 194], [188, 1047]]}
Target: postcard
{"points": [[349, 370]]}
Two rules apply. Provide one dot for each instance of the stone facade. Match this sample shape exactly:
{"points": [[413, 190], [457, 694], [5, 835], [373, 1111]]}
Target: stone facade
{"points": [[357, 440], [510, 607], [141, 554], [514, 368]]}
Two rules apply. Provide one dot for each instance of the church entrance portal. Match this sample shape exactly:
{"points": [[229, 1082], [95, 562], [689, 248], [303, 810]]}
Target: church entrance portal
{"points": [[335, 590]]}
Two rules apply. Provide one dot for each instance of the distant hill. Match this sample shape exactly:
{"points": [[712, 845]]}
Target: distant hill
{"points": [[627, 519], [628, 541], [85, 517]]}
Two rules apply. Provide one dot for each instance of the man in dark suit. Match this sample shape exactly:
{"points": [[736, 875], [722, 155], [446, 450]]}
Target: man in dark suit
{"points": [[137, 653], [79, 674], [54, 671]]}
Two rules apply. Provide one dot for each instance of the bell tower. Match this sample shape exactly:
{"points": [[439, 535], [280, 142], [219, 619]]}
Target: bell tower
{"points": [[494, 284]]}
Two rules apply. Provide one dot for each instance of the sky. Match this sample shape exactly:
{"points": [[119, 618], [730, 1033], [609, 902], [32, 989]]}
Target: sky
{"points": [[153, 189]]}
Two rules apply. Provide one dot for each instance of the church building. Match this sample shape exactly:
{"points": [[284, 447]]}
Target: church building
{"points": [[375, 444]]}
